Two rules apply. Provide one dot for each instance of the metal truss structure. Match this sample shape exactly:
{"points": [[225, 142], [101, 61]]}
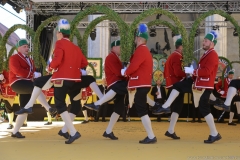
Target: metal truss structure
{"points": [[187, 24], [30, 23], [72, 8], [61, 8]]}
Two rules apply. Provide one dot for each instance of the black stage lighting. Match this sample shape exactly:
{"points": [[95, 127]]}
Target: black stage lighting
{"points": [[114, 32], [235, 32], [93, 35], [153, 32]]}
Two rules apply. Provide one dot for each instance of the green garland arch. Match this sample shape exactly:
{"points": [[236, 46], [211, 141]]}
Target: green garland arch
{"points": [[201, 18], [175, 19], [36, 41], [88, 30], [112, 15], [3, 51], [78, 37], [5, 64]]}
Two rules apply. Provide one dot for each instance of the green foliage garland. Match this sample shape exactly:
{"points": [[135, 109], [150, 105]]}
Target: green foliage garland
{"points": [[5, 64], [78, 36], [36, 41], [112, 15], [202, 18], [88, 30], [175, 19], [3, 50]]}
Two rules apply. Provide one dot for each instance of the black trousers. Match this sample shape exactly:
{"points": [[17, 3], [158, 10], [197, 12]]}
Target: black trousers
{"points": [[85, 82], [184, 86], [120, 88], [204, 106], [24, 89], [235, 83], [60, 94], [140, 101]]}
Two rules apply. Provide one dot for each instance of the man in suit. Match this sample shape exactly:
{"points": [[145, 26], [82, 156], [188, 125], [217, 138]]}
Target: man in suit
{"points": [[159, 94]]}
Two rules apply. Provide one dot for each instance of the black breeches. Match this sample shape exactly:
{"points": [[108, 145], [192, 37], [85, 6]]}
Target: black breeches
{"points": [[204, 106], [24, 88], [140, 101], [177, 104], [60, 96], [235, 83], [119, 104]]}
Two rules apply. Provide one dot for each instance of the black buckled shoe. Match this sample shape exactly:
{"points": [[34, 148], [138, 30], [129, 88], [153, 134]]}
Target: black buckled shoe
{"points": [[173, 136], [110, 135], [65, 135], [222, 107], [71, 139], [48, 123], [92, 106], [148, 140], [161, 110], [232, 124], [23, 110], [17, 135], [156, 106], [10, 126], [212, 139], [53, 112]]}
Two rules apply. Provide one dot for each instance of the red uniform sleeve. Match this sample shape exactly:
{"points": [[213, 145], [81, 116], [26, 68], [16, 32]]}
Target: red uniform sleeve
{"points": [[110, 63], [57, 56], [15, 67], [177, 67], [136, 61], [218, 86], [205, 71]]}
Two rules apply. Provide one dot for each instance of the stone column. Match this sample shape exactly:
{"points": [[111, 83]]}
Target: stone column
{"points": [[100, 47], [221, 46]]}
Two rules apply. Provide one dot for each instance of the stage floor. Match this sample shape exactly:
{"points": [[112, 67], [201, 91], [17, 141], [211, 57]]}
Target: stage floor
{"points": [[43, 142]]}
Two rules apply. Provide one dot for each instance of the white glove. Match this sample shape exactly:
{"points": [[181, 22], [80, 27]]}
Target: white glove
{"points": [[84, 72], [222, 92], [37, 74], [123, 71], [47, 69], [189, 70], [1, 77]]}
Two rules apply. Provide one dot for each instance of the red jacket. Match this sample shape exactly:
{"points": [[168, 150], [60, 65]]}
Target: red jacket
{"points": [[207, 69], [5, 82], [6, 89], [140, 68], [173, 72], [112, 69], [19, 68], [67, 61], [219, 87]]}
